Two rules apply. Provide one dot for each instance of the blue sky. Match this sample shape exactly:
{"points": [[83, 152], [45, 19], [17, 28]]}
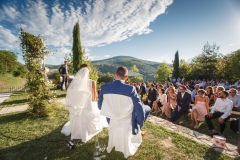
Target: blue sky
{"points": [[147, 29]]}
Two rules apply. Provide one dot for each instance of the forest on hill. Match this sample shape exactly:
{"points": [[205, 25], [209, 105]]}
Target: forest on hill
{"points": [[146, 68]]}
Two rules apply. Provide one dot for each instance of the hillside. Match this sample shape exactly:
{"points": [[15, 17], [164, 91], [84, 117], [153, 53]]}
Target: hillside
{"points": [[146, 68]]}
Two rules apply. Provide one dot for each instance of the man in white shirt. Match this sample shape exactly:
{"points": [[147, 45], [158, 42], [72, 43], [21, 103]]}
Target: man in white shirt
{"points": [[222, 110], [235, 98]]}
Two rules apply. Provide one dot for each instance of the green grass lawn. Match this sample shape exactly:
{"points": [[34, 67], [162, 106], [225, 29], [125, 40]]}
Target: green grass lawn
{"points": [[20, 97], [29, 138]]}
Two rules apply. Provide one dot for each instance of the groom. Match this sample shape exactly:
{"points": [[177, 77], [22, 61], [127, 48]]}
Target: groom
{"points": [[120, 103]]}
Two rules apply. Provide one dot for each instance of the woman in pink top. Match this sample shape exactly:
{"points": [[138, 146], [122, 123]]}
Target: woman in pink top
{"points": [[200, 108]]}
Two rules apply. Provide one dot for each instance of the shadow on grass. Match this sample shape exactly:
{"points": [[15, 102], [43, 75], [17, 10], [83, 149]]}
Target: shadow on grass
{"points": [[11, 118], [210, 153], [14, 102], [61, 95], [52, 145]]}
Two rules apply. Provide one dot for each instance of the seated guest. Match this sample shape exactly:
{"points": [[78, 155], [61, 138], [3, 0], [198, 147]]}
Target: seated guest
{"points": [[202, 84], [238, 89], [221, 110], [200, 109], [219, 89], [183, 103], [161, 101], [187, 89], [159, 87], [172, 97], [178, 86], [152, 95], [210, 94], [170, 85], [227, 85], [194, 92], [208, 84], [221, 83], [235, 98]]}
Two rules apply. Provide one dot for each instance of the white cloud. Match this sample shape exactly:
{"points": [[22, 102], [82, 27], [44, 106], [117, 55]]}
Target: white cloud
{"points": [[7, 39], [233, 44], [101, 22], [107, 56], [160, 59]]}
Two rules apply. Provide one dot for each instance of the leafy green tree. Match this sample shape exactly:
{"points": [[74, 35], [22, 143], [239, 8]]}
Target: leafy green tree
{"points": [[77, 48], [163, 71], [185, 69], [9, 64], [134, 69], [20, 71], [176, 72], [229, 68], [205, 64], [34, 50], [94, 71], [106, 78], [135, 78]]}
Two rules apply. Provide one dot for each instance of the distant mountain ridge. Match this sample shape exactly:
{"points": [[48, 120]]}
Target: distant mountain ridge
{"points": [[146, 68]]}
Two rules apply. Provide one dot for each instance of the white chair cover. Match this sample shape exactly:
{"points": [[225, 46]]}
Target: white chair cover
{"points": [[119, 109]]}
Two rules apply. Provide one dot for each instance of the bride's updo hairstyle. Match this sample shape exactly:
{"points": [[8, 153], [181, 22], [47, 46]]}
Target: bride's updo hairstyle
{"points": [[122, 71], [85, 65]]}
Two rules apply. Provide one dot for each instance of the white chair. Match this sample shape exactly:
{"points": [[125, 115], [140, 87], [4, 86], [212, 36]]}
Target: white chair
{"points": [[119, 109]]}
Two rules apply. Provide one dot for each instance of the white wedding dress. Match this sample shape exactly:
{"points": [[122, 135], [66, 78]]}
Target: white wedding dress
{"points": [[85, 120]]}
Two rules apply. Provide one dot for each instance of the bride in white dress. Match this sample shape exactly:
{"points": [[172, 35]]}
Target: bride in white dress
{"points": [[85, 120]]}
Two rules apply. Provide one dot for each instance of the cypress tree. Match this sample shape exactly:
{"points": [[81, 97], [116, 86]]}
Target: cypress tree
{"points": [[77, 48], [176, 72]]}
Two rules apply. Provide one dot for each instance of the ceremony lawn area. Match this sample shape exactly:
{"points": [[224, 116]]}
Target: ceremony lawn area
{"points": [[23, 136]]}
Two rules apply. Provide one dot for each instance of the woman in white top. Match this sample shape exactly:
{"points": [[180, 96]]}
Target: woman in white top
{"points": [[85, 120], [161, 101]]}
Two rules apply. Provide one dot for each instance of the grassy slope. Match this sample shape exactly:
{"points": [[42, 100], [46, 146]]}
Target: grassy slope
{"points": [[7, 80], [25, 137]]}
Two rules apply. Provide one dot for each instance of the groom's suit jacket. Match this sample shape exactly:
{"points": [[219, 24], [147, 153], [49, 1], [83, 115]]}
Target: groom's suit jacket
{"points": [[118, 87]]}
